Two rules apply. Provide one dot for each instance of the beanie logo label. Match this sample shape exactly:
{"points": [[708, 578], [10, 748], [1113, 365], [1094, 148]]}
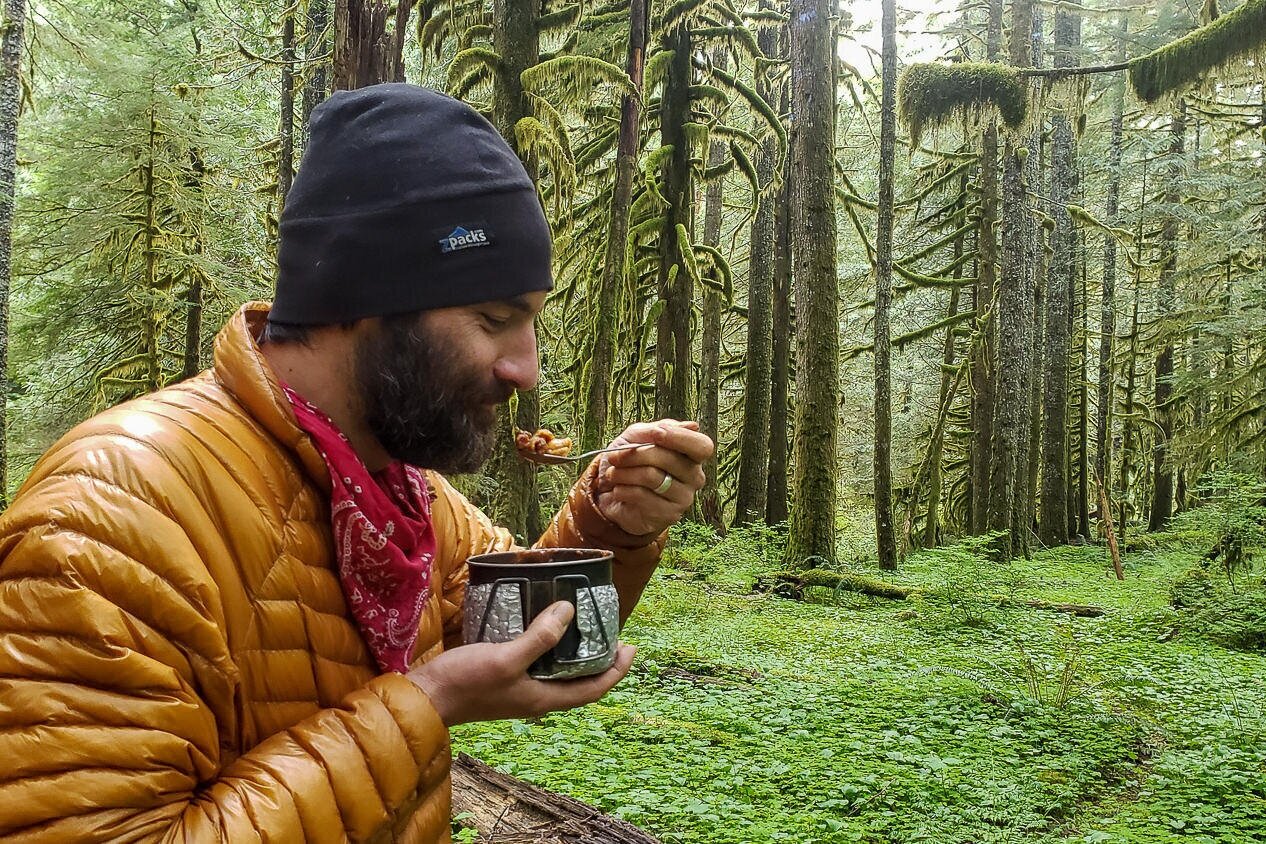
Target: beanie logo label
{"points": [[463, 238]]}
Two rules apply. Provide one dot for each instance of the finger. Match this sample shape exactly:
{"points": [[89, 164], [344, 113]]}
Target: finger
{"points": [[647, 505], [640, 432], [568, 694], [687, 440], [660, 460], [652, 478], [542, 634]]}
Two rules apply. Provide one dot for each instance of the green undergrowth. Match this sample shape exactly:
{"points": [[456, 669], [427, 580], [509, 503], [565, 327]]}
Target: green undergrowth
{"points": [[958, 715]]}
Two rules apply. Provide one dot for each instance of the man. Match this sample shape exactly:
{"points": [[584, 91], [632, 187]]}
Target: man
{"points": [[228, 610]]}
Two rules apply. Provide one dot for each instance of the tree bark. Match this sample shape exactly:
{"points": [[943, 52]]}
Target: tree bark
{"points": [[598, 395], [1131, 376], [886, 540], [316, 44], [1055, 497], [753, 482], [510, 811], [983, 350], [1014, 318], [365, 52], [10, 106], [812, 536], [708, 500], [673, 364], [1163, 472], [776, 509], [516, 39]]}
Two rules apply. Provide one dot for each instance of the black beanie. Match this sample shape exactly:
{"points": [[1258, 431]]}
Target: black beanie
{"points": [[406, 200]]}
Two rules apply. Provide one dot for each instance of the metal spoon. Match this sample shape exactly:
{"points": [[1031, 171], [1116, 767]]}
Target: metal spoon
{"points": [[555, 460]]}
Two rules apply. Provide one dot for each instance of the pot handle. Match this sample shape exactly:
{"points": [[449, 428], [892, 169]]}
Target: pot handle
{"points": [[567, 587]]}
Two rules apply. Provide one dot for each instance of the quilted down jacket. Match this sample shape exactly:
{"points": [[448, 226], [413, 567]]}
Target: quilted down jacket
{"points": [[177, 661]]}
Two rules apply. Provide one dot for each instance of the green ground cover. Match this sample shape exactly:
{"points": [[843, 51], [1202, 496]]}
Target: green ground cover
{"points": [[959, 715]]}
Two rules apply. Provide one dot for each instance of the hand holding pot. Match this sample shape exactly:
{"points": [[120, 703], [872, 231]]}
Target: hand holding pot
{"points": [[488, 682]]}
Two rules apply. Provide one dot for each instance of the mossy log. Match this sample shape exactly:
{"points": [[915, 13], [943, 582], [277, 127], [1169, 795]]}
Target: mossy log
{"points": [[933, 94], [793, 584], [506, 810], [1078, 610], [1236, 36]]}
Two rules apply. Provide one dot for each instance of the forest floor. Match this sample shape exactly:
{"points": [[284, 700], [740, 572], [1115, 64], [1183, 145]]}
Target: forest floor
{"points": [[959, 715]]}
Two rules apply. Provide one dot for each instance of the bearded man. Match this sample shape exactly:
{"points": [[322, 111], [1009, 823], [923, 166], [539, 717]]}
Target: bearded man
{"points": [[229, 610]]}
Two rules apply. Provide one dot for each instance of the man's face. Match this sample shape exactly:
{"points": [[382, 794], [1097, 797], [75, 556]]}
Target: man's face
{"points": [[430, 383]]}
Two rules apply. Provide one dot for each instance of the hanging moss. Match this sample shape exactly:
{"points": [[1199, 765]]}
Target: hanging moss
{"points": [[1236, 36], [931, 95]]}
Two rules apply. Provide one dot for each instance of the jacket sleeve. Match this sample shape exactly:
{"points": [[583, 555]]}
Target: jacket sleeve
{"points": [[462, 530], [119, 704]]}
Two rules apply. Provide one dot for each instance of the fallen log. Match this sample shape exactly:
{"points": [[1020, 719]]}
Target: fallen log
{"points": [[505, 810], [1079, 610], [792, 584]]}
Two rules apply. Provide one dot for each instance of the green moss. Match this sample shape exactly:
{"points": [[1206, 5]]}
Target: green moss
{"points": [[931, 95], [1237, 35]]}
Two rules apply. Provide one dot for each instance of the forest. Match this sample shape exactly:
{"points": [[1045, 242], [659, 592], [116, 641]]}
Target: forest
{"points": [[971, 295]]}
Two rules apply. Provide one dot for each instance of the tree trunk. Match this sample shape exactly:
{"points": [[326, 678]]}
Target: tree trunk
{"points": [[511, 811], [598, 395], [316, 44], [932, 524], [780, 373], [10, 105], [1162, 471], [885, 537], [753, 479], [983, 350], [1083, 389], [365, 53], [1131, 376], [516, 39], [673, 362], [1038, 264], [708, 500], [286, 112], [1056, 495], [1014, 319], [812, 536], [1107, 294]]}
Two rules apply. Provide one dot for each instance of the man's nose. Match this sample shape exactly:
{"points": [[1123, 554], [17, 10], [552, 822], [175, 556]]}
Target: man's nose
{"points": [[518, 365]]}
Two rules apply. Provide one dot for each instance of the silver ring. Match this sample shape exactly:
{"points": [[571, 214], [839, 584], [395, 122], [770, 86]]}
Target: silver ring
{"points": [[663, 487]]}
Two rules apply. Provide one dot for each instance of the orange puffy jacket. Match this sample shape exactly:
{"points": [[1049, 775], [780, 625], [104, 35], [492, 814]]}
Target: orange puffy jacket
{"points": [[177, 661]]}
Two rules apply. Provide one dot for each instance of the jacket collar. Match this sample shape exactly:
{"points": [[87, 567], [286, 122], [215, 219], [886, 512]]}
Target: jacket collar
{"points": [[243, 370]]}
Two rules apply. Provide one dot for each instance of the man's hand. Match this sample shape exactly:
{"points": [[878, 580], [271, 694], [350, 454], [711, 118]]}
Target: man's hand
{"points": [[488, 682], [645, 490]]}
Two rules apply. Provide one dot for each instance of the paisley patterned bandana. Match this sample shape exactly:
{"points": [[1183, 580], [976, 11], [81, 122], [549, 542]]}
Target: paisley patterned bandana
{"points": [[382, 535]]}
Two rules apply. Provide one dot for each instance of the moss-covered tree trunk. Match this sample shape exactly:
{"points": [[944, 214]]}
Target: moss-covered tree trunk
{"points": [[1107, 293], [1015, 329], [286, 110], [932, 523], [10, 105], [753, 480], [708, 501], [984, 349], [813, 503], [673, 364], [1128, 410], [595, 424], [886, 540], [1038, 177], [1162, 470], [776, 505], [516, 39], [1056, 495]]}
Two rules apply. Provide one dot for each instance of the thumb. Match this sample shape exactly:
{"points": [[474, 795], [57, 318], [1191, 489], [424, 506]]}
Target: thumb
{"points": [[544, 632]]}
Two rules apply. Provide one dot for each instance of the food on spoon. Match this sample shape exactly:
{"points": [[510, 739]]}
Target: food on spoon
{"points": [[542, 442]]}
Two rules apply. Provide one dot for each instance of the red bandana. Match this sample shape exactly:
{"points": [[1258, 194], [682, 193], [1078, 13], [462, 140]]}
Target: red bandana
{"points": [[383, 537]]}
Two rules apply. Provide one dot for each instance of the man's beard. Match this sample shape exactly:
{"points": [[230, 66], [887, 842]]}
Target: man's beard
{"points": [[420, 403]]}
